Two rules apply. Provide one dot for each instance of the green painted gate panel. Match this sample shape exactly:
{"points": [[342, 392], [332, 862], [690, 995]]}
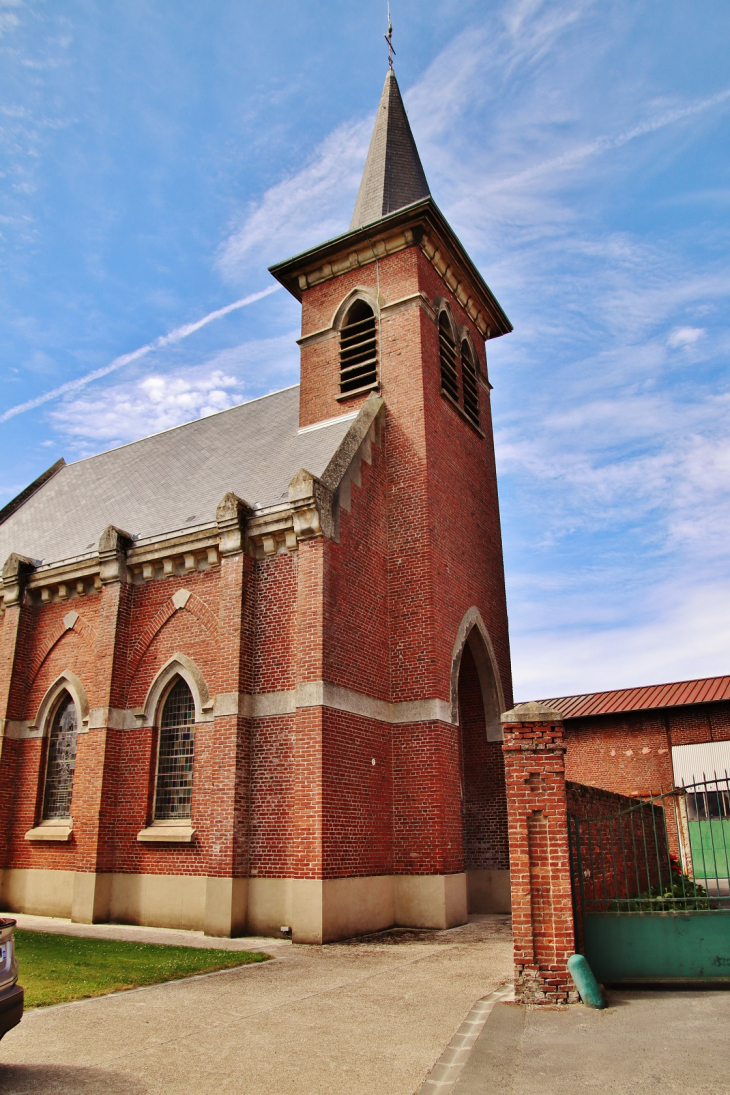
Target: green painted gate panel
{"points": [[710, 847], [658, 946]]}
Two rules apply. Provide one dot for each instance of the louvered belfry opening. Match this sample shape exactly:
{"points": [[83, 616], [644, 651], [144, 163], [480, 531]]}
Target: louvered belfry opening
{"points": [[469, 383], [447, 351], [358, 349]]}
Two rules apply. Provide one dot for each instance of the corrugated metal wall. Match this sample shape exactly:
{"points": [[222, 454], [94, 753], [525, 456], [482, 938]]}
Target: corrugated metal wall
{"points": [[695, 762]]}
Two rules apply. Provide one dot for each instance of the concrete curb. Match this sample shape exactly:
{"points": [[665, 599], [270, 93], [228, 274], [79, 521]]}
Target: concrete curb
{"points": [[447, 1069]]}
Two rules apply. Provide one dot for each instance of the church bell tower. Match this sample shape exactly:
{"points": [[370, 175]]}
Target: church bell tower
{"points": [[395, 319]]}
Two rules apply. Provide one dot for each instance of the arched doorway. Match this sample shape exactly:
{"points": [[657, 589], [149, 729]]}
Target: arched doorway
{"points": [[484, 803]]}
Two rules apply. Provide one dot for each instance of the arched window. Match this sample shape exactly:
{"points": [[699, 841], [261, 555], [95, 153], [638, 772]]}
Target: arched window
{"points": [[447, 352], [174, 790], [469, 383], [358, 349], [61, 760]]}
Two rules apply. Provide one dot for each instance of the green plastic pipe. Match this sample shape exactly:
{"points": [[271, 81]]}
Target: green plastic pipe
{"points": [[585, 982]]}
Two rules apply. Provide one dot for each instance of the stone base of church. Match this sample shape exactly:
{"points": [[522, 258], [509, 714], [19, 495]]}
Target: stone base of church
{"points": [[316, 910], [324, 910], [41, 892], [488, 892]]}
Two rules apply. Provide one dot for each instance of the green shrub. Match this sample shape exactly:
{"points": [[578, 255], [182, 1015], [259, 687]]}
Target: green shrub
{"points": [[682, 894]]}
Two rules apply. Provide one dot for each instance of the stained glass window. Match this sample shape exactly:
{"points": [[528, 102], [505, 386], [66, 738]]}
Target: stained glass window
{"points": [[61, 761], [174, 792]]}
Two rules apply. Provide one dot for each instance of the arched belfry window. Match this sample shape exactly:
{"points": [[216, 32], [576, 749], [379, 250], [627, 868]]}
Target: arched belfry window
{"points": [[61, 760], [469, 383], [447, 353], [358, 348], [174, 790]]}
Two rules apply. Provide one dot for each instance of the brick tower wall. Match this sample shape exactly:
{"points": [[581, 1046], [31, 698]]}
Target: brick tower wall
{"points": [[441, 542]]}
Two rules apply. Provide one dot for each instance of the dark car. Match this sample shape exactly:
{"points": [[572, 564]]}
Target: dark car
{"points": [[11, 993]]}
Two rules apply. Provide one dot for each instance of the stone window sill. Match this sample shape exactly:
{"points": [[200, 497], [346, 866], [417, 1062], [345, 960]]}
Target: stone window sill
{"points": [[344, 396], [166, 833], [51, 830]]}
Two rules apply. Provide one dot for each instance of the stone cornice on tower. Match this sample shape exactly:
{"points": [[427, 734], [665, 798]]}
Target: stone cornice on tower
{"points": [[420, 224]]}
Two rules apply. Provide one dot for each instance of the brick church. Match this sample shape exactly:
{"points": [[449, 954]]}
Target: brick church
{"points": [[252, 668]]}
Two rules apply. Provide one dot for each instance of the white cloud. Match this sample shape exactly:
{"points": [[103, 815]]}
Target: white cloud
{"points": [[8, 19], [575, 156], [172, 338], [158, 401], [685, 336], [631, 490], [303, 210], [155, 403], [682, 638]]}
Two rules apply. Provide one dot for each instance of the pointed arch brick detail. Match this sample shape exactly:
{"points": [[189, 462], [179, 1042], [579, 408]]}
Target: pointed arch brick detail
{"points": [[194, 605], [82, 628], [202, 613]]}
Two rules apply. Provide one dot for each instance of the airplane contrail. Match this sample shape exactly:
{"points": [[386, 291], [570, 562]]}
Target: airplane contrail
{"points": [[608, 143], [176, 335]]}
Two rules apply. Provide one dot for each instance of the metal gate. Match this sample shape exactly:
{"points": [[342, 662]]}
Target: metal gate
{"points": [[651, 887]]}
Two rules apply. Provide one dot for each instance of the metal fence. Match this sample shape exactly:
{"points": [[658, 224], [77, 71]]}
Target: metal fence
{"points": [[666, 853]]}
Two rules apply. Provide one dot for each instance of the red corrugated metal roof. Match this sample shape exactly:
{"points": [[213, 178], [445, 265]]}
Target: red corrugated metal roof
{"points": [[679, 693]]}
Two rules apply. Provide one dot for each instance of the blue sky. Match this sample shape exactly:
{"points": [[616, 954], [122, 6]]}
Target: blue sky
{"points": [[156, 156]]}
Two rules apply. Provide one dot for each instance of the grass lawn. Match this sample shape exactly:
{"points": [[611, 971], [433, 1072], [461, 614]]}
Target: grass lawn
{"points": [[57, 968]]}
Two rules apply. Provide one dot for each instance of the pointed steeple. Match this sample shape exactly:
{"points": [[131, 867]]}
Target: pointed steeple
{"points": [[393, 175]]}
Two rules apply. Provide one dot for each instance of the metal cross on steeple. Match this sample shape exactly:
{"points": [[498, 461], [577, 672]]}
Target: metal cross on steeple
{"points": [[389, 39]]}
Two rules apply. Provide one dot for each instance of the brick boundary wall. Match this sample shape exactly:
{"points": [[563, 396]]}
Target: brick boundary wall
{"points": [[642, 839], [626, 853], [542, 904]]}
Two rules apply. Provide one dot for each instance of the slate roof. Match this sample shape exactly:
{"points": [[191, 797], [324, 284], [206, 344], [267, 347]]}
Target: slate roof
{"points": [[393, 177], [173, 480], [647, 698]]}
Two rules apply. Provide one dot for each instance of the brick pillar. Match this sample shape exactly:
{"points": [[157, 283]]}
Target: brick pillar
{"points": [[15, 572], [542, 907], [307, 818], [228, 738], [95, 781]]}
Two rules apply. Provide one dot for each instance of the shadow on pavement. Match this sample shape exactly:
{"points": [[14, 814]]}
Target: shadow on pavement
{"points": [[481, 928], [66, 1080]]}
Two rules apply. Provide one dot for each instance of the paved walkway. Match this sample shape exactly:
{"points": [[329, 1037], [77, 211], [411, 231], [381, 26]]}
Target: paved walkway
{"points": [[650, 1042], [361, 1018]]}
